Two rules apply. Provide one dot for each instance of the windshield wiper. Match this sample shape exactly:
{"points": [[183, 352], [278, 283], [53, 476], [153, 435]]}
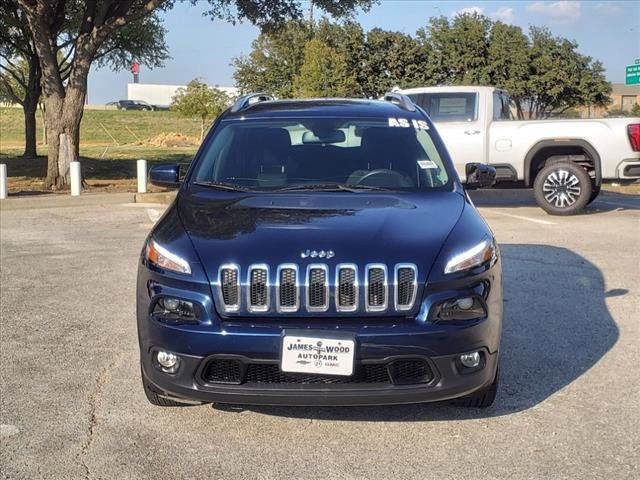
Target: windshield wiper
{"points": [[331, 187], [223, 186]]}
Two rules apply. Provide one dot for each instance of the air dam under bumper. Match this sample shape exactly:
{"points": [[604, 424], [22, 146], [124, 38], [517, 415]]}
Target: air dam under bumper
{"points": [[446, 380]]}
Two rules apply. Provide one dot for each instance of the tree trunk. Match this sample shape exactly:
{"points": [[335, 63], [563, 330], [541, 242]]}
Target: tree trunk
{"points": [[62, 117], [32, 94], [29, 131], [44, 124], [202, 126]]}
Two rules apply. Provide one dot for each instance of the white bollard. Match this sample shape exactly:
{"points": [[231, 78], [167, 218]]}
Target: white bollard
{"points": [[76, 178], [142, 176], [3, 181]]}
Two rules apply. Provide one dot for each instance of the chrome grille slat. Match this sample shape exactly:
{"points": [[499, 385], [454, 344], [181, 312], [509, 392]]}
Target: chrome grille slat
{"points": [[229, 287], [258, 290], [287, 288], [317, 288], [406, 285], [346, 288], [376, 288], [301, 289]]}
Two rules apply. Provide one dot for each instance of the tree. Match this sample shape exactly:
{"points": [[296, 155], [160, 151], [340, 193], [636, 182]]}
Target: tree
{"points": [[20, 69], [323, 73], [561, 78], [200, 101], [20, 75], [97, 23], [508, 60], [544, 74], [390, 59], [275, 59]]}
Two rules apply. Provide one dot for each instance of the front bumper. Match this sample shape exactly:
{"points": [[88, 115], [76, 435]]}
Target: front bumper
{"points": [[439, 347], [448, 383]]}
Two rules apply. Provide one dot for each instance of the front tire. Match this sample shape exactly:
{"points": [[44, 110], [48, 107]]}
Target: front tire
{"points": [[595, 191], [155, 397], [482, 398], [562, 188]]}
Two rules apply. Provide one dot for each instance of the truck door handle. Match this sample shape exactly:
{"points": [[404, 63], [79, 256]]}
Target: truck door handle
{"points": [[471, 132]]}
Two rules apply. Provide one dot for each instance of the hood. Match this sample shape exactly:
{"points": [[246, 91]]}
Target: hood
{"points": [[359, 228]]}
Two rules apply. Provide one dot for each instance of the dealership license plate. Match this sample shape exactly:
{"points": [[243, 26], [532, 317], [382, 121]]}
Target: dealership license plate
{"points": [[323, 356]]}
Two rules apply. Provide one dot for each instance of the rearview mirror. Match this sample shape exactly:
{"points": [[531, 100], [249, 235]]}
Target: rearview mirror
{"points": [[479, 175], [165, 175], [332, 136]]}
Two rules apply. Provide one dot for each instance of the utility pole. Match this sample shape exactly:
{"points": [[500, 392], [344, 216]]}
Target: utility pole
{"points": [[311, 12]]}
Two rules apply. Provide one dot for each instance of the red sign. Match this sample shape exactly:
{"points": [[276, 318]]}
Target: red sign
{"points": [[135, 68]]}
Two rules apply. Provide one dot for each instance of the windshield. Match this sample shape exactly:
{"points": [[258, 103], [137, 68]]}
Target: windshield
{"points": [[322, 153]]}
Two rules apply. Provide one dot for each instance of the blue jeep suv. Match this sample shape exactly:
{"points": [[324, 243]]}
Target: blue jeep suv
{"points": [[320, 252]]}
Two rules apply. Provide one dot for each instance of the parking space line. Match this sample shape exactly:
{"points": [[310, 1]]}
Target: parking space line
{"points": [[527, 219]]}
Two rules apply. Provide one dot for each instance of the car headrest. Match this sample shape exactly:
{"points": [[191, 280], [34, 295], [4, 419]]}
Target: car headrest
{"points": [[374, 138]]}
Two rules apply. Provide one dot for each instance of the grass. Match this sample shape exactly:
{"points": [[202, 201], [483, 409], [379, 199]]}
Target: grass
{"points": [[110, 143], [106, 127]]}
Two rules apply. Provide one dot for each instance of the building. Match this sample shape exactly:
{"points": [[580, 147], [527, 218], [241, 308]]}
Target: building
{"points": [[161, 95], [624, 97]]}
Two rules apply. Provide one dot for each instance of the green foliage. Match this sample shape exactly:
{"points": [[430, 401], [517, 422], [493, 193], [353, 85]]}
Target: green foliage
{"points": [[274, 60], [198, 100], [324, 73], [635, 110], [271, 15], [142, 40], [544, 74]]}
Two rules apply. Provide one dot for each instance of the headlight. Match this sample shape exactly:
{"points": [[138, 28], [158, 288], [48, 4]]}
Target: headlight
{"points": [[484, 252], [163, 258]]}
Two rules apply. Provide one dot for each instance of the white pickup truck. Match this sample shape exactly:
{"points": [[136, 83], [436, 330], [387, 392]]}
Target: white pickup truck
{"points": [[564, 161]]}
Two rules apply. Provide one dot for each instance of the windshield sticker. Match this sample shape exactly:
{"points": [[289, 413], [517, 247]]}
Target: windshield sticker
{"points": [[404, 123], [426, 164], [420, 124], [399, 122]]}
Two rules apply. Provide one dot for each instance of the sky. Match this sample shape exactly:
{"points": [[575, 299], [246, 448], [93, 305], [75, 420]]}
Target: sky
{"points": [[202, 48]]}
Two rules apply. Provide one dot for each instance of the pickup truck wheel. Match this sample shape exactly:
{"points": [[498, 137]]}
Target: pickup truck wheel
{"points": [[595, 191], [562, 188], [482, 398]]}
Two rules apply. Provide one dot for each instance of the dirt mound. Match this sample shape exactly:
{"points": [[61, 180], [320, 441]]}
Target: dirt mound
{"points": [[173, 139]]}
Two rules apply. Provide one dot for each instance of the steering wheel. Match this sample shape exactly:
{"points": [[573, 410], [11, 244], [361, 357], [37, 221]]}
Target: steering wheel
{"points": [[400, 179]]}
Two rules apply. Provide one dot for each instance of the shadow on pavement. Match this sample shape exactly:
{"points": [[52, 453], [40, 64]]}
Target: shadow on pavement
{"points": [[522, 197], [556, 327]]}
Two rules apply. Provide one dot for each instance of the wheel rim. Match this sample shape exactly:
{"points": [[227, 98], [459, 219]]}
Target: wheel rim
{"points": [[561, 188]]}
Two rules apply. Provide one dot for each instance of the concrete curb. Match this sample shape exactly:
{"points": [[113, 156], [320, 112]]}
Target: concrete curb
{"points": [[158, 197], [65, 200]]}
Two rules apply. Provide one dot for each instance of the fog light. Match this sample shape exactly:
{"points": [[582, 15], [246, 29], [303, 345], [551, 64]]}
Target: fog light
{"points": [[167, 360], [470, 360], [465, 303], [172, 304]]}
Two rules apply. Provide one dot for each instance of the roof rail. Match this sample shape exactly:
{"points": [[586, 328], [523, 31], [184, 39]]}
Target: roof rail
{"points": [[249, 99], [401, 100]]}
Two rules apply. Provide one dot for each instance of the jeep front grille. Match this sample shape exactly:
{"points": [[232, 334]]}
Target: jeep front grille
{"points": [[316, 288], [376, 288], [405, 283], [258, 291], [347, 288], [288, 291], [229, 279]]}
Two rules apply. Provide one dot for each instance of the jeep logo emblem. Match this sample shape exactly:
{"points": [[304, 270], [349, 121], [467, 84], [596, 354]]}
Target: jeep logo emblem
{"points": [[317, 254]]}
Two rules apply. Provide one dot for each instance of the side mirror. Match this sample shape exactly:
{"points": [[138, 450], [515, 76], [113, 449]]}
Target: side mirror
{"points": [[479, 175], [165, 175]]}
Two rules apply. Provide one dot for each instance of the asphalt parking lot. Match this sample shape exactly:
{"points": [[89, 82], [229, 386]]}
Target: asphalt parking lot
{"points": [[71, 405]]}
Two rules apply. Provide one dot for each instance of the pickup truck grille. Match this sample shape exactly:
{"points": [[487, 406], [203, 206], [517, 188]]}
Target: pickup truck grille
{"points": [[317, 288]]}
